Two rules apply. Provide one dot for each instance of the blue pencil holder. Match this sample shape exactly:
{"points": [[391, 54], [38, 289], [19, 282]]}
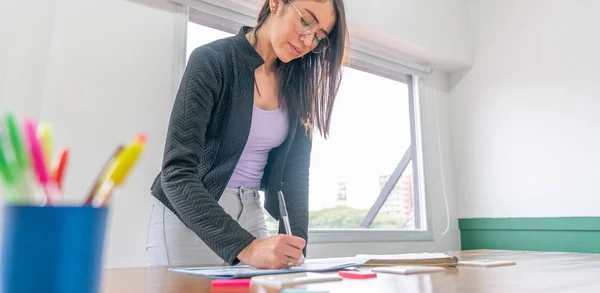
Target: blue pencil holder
{"points": [[52, 249]]}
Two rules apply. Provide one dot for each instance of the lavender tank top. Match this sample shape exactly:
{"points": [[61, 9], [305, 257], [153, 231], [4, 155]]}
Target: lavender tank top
{"points": [[268, 130]]}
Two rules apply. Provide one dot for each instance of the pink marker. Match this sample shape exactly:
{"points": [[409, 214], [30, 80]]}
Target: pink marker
{"points": [[230, 283], [38, 162]]}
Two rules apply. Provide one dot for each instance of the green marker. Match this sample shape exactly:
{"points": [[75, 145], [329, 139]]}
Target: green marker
{"points": [[16, 140], [17, 160], [6, 174]]}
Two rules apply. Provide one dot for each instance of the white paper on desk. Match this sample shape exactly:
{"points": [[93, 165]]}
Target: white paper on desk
{"points": [[243, 271], [404, 256], [280, 280]]}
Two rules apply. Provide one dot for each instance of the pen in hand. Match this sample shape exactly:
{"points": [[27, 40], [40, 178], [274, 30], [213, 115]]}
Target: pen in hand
{"points": [[284, 214], [284, 217]]}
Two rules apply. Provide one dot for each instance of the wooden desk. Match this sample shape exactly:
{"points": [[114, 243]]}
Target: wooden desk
{"points": [[546, 272]]}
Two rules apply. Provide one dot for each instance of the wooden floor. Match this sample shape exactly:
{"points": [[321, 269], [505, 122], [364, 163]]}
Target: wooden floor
{"points": [[546, 272]]}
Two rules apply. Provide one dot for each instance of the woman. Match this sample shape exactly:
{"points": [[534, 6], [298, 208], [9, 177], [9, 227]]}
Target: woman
{"points": [[242, 121]]}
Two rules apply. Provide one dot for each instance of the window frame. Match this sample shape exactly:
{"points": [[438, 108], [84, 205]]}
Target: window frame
{"points": [[363, 59]]}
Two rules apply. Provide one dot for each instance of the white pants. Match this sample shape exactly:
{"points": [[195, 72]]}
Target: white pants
{"points": [[171, 243]]}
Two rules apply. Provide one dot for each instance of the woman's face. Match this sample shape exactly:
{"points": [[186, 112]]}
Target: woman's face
{"points": [[293, 36]]}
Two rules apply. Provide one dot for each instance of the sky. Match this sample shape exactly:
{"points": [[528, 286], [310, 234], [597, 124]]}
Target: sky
{"points": [[369, 134]]}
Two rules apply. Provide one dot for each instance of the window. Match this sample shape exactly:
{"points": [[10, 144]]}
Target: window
{"points": [[370, 132], [198, 35], [366, 176]]}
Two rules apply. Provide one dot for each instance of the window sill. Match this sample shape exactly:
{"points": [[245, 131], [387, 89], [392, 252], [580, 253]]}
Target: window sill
{"points": [[365, 235]]}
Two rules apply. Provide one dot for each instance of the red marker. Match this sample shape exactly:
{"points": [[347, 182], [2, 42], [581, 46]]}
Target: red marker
{"points": [[58, 170], [357, 274]]}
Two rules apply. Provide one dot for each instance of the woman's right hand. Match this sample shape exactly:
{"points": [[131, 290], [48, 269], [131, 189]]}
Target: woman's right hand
{"points": [[273, 252]]}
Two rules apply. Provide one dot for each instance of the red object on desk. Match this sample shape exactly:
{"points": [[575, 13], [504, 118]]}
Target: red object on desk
{"points": [[221, 283], [357, 274]]}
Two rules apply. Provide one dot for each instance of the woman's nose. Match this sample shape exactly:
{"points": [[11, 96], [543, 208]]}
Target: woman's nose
{"points": [[307, 40]]}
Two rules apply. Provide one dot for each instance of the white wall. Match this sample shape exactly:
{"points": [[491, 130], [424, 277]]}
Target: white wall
{"points": [[116, 63], [25, 36], [525, 117], [100, 72], [427, 31]]}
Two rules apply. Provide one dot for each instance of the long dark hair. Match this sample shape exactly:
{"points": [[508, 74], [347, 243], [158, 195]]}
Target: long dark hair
{"points": [[308, 85]]}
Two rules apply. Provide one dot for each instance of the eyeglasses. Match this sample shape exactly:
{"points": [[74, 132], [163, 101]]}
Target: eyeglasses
{"points": [[308, 25]]}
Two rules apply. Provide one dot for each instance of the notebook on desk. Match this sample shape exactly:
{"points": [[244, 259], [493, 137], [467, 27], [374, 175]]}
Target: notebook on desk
{"points": [[424, 259]]}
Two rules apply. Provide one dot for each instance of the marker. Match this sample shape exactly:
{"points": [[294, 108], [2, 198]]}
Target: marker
{"points": [[357, 274], [6, 174], [59, 166], [17, 184], [16, 140], [44, 134], [39, 163], [20, 157], [119, 171], [231, 283], [5, 171]]}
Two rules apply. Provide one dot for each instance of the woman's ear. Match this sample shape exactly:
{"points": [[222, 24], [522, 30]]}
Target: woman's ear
{"points": [[274, 5]]}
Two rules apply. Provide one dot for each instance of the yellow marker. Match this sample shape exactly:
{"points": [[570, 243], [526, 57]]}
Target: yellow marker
{"points": [[44, 134], [118, 171]]}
